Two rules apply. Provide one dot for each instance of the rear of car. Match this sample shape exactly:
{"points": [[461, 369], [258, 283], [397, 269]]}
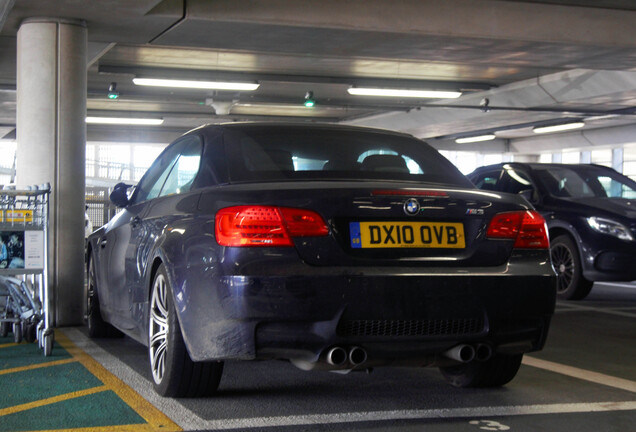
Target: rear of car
{"points": [[344, 249], [333, 247]]}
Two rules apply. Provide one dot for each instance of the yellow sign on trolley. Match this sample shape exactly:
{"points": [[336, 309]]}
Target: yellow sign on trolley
{"points": [[19, 216]]}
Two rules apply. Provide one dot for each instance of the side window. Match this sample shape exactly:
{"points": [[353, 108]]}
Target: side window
{"points": [[563, 182], [184, 170], [156, 187], [488, 181], [616, 189], [516, 181], [152, 182]]}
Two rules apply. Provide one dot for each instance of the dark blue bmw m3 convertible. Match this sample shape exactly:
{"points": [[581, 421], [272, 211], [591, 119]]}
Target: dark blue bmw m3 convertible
{"points": [[333, 247]]}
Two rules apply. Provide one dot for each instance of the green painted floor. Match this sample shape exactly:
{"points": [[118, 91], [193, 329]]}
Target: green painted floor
{"points": [[67, 391]]}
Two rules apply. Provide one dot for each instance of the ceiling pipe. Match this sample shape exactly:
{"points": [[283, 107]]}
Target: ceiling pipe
{"points": [[220, 107]]}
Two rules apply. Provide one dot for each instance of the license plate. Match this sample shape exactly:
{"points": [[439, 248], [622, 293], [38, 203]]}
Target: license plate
{"points": [[407, 235]]}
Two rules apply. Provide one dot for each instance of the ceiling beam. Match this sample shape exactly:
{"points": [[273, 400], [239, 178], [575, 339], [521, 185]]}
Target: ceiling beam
{"points": [[152, 72], [5, 8]]}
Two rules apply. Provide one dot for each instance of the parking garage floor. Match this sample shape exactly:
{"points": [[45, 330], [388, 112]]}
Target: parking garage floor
{"points": [[585, 380]]}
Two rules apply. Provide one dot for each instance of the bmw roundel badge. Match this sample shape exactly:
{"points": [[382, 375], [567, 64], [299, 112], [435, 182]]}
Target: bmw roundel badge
{"points": [[411, 206]]}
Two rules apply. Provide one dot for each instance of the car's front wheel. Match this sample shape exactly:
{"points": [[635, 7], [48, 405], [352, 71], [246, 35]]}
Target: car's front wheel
{"points": [[173, 372], [494, 372], [571, 285]]}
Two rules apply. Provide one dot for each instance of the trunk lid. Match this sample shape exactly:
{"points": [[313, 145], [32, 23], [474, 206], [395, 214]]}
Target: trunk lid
{"points": [[371, 224]]}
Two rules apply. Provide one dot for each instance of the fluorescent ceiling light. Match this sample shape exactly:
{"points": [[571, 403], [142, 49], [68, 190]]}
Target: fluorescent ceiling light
{"points": [[475, 139], [125, 121], [360, 91], [602, 117], [558, 128], [210, 85]]}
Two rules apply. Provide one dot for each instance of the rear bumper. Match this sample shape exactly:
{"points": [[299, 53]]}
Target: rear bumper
{"points": [[406, 319], [397, 317]]}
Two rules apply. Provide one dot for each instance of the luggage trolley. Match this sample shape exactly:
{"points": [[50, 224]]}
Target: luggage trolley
{"points": [[24, 291]]}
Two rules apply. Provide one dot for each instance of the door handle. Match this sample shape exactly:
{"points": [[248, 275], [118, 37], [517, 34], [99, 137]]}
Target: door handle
{"points": [[136, 221], [103, 243]]}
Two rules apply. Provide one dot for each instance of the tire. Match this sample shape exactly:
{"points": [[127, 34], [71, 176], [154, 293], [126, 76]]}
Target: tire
{"points": [[571, 285], [49, 341], [17, 332], [30, 333], [97, 327], [499, 370], [4, 329], [173, 371]]}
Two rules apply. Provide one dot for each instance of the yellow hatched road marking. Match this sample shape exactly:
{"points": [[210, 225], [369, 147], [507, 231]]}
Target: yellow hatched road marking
{"points": [[37, 366], [155, 418], [52, 400], [122, 428], [8, 345]]}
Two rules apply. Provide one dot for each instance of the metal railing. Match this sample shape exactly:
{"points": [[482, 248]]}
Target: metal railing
{"points": [[99, 208]]}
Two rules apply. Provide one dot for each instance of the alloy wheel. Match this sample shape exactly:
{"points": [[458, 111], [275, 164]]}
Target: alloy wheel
{"points": [[563, 263], [158, 328]]}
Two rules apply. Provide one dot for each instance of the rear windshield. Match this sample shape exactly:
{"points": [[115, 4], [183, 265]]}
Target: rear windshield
{"points": [[300, 153]]}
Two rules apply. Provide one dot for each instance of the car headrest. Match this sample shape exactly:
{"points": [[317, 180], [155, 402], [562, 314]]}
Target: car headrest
{"points": [[282, 159], [340, 165], [386, 163]]}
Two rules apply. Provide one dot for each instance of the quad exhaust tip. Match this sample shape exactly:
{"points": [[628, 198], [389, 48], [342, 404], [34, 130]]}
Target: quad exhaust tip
{"points": [[337, 356], [466, 353], [483, 352], [462, 352], [348, 358], [357, 356]]}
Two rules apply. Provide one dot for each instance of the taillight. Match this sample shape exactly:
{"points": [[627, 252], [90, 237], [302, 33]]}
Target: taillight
{"points": [[528, 228], [266, 225]]}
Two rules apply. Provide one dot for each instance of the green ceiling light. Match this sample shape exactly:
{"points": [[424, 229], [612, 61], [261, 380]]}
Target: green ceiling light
{"points": [[112, 91], [309, 99]]}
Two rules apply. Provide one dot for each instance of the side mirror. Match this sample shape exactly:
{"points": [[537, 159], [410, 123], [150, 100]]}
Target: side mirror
{"points": [[119, 195]]}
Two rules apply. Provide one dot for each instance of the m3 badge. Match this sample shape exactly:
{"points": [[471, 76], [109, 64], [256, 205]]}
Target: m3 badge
{"points": [[475, 212]]}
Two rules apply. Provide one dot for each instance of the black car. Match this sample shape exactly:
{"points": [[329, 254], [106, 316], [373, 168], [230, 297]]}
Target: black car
{"points": [[335, 248], [591, 216]]}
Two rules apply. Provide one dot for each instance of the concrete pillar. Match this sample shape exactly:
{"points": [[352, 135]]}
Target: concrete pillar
{"points": [[617, 159], [51, 146], [527, 158], [586, 157]]}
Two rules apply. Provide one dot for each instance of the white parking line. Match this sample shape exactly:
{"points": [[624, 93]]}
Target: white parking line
{"points": [[477, 412], [189, 420], [616, 284], [582, 374], [568, 307]]}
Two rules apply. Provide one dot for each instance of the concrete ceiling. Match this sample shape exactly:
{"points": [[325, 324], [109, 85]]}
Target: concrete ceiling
{"points": [[536, 62]]}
